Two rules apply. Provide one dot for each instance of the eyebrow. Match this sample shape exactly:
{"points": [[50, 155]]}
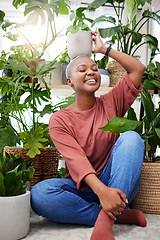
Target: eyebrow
{"points": [[83, 65]]}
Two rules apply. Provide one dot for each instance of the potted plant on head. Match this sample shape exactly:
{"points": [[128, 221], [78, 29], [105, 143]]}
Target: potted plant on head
{"points": [[79, 38], [14, 197], [148, 197], [128, 37]]}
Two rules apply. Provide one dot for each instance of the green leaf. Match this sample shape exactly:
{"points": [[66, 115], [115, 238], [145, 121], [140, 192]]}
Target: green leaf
{"points": [[103, 18], [33, 140], [64, 9], [18, 3], [148, 106], [8, 137], [120, 125], [132, 8], [2, 187], [109, 32], [96, 4], [157, 130], [13, 184], [2, 15], [152, 15], [136, 37]]}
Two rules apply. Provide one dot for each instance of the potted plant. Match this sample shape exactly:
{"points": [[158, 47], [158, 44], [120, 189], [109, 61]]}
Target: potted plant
{"points": [[14, 197], [147, 199], [35, 13], [128, 37], [38, 11], [64, 59], [102, 68], [34, 137]]}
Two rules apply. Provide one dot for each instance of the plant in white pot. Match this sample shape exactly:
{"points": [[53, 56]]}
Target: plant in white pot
{"points": [[14, 197]]}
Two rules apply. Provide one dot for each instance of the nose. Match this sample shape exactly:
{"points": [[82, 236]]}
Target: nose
{"points": [[90, 71]]}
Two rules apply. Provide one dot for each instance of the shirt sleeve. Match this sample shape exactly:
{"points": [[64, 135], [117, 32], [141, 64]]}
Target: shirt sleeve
{"points": [[76, 160], [122, 95]]}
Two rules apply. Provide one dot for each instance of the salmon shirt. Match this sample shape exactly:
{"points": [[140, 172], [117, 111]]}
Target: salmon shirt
{"points": [[76, 134]]}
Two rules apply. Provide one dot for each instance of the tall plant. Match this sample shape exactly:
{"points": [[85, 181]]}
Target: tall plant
{"points": [[14, 88], [127, 37], [37, 11]]}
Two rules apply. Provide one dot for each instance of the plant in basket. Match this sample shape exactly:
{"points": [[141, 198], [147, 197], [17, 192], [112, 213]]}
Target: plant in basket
{"points": [[21, 99], [148, 197]]}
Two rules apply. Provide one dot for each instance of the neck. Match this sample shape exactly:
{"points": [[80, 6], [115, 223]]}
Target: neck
{"points": [[84, 103]]}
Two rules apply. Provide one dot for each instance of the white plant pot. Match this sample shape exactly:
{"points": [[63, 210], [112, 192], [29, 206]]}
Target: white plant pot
{"points": [[56, 75], [79, 43], [105, 80], [14, 216]]}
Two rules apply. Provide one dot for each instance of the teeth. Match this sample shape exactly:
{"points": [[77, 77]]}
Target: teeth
{"points": [[91, 80]]}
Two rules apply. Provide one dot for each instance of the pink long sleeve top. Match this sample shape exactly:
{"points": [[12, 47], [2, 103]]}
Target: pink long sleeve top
{"points": [[76, 134]]}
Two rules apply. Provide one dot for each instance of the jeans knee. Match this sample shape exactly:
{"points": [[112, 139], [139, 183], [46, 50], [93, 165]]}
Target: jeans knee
{"points": [[133, 139]]}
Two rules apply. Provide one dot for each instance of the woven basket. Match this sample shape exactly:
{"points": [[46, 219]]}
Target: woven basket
{"points": [[45, 163], [117, 72], [148, 198]]}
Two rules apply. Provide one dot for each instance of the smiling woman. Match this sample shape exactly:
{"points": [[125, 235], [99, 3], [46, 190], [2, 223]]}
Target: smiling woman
{"points": [[92, 193]]}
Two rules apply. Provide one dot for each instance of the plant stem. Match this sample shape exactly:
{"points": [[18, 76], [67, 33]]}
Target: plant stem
{"points": [[33, 104]]}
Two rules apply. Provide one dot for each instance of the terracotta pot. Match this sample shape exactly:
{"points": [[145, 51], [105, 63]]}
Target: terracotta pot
{"points": [[33, 65]]}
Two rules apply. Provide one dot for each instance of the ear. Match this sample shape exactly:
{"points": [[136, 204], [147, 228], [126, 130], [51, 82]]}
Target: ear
{"points": [[69, 82]]}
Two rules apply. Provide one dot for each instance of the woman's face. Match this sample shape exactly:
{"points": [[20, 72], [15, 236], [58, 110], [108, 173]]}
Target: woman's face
{"points": [[84, 75]]}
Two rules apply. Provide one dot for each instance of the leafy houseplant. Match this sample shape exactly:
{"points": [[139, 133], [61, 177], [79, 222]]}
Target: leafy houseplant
{"points": [[14, 197], [37, 11], [34, 136], [147, 199], [14, 175], [128, 37]]}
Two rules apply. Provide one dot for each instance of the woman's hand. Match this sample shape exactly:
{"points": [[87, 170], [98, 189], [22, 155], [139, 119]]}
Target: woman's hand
{"points": [[99, 45], [113, 201]]}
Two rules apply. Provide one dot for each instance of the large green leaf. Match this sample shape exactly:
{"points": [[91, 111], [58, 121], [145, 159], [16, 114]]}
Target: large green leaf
{"points": [[152, 15], [136, 37], [96, 4], [8, 137], [109, 32], [33, 140], [120, 125], [64, 9], [104, 18], [132, 8], [148, 106], [17, 3]]}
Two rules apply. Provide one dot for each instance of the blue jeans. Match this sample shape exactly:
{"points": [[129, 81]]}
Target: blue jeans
{"points": [[60, 201]]}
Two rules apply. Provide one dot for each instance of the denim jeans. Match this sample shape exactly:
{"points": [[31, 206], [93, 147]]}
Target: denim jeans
{"points": [[60, 201]]}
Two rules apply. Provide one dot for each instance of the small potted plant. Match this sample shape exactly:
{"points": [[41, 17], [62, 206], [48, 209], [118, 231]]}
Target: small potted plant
{"points": [[102, 68], [14, 196]]}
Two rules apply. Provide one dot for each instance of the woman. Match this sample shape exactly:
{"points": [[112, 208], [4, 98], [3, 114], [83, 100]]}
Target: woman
{"points": [[103, 169]]}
